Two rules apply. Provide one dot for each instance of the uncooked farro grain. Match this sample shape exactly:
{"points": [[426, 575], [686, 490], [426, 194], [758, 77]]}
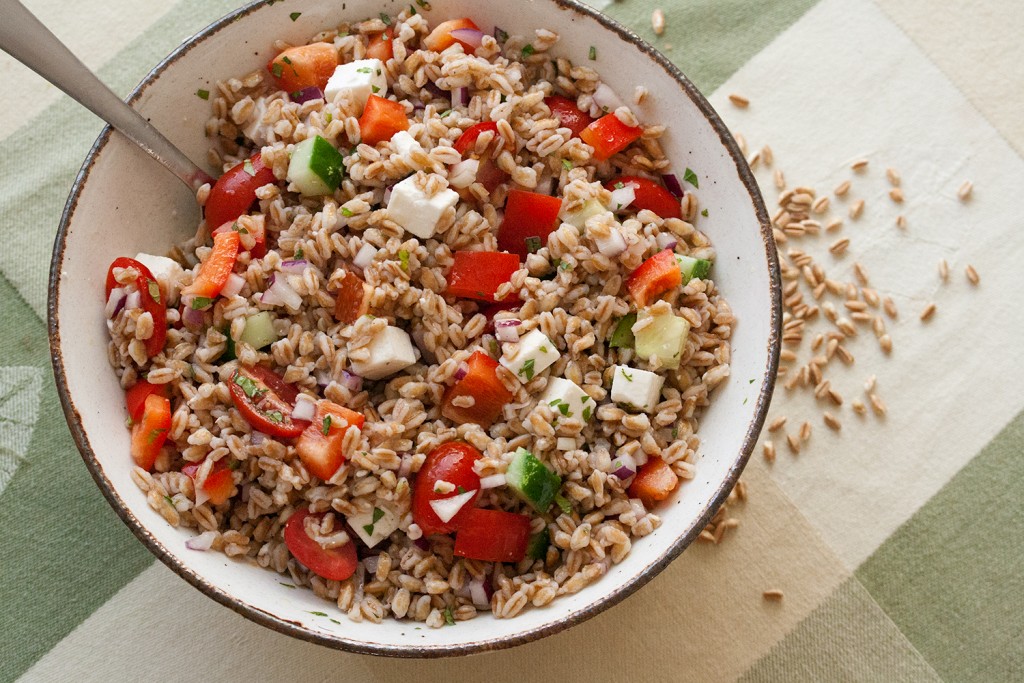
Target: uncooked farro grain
{"points": [[972, 274]]}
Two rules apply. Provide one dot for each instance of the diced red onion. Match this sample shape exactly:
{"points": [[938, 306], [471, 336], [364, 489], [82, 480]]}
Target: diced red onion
{"points": [[308, 94], [447, 508], [296, 267], [305, 408], [387, 195], [507, 330], [422, 543], [364, 257], [623, 197], [353, 383], [463, 173], [461, 371], [405, 469], [133, 300], [460, 97], [606, 99], [281, 293], [417, 105], [323, 378], [192, 318], [508, 322], [371, 563], [257, 438], [434, 89], [360, 579], [202, 542], [115, 302], [672, 185], [478, 594], [624, 466], [666, 240], [612, 245], [470, 36], [493, 481], [234, 285]]}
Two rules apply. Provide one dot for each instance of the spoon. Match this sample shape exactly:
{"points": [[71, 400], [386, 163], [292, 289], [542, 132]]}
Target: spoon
{"points": [[25, 38]]}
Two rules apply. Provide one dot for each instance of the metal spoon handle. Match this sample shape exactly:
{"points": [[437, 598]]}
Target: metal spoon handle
{"points": [[25, 38]]}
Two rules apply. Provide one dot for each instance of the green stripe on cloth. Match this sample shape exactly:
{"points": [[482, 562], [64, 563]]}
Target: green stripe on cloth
{"points": [[951, 577], [710, 39], [847, 638]]}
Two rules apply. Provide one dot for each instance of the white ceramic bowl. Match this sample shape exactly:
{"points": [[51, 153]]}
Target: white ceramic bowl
{"points": [[123, 203]]}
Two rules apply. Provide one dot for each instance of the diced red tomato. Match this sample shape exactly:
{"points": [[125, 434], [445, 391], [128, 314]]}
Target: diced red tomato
{"points": [[216, 269], [653, 482], [608, 135], [135, 397], [441, 37], [235, 191], [150, 297], [150, 432], [478, 274], [649, 195], [265, 401], [529, 219], [482, 384], [467, 140], [304, 66], [320, 445], [258, 232], [382, 45], [654, 277], [568, 114], [493, 536], [352, 299], [451, 462], [336, 564], [381, 119], [219, 484]]}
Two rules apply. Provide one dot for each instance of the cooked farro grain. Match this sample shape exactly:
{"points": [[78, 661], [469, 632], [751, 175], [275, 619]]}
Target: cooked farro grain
{"points": [[345, 288]]}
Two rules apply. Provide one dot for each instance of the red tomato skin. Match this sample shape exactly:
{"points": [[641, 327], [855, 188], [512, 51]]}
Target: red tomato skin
{"points": [[352, 300], [218, 266], [467, 141], [608, 136], [568, 114], [381, 45], [304, 66], [381, 119], [655, 276], [219, 484], [279, 396], [155, 307], [482, 383], [478, 274], [650, 195], [135, 397], [527, 214], [489, 175], [150, 433], [322, 454], [493, 536], [336, 564], [235, 191], [451, 462], [441, 38], [654, 481]]}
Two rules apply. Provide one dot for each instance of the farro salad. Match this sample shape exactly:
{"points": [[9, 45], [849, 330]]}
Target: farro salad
{"points": [[441, 341]]}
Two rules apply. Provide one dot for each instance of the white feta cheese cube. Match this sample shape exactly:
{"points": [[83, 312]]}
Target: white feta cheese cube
{"points": [[637, 389], [166, 271], [404, 143], [254, 128], [567, 399], [410, 207], [390, 351], [371, 530], [359, 80], [534, 354]]}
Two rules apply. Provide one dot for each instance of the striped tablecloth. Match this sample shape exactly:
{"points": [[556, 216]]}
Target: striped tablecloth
{"points": [[897, 542]]}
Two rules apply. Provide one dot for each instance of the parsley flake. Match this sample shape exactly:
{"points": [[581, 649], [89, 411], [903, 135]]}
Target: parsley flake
{"points": [[446, 113], [563, 503], [412, 10], [294, 15], [249, 387], [403, 257], [200, 302], [154, 291], [619, 185], [275, 416], [528, 50], [385, 18], [704, 213], [375, 88], [326, 429], [299, 253], [247, 166], [377, 514], [364, 70], [533, 244], [345, 211], [170, 501], [462, 489], [527, 370], [203, 94], [449, 618], [563, 408], [277, 69], [691, 177], [629, 377], [328, 118], [567, 165], [319, 614], [593, 53], [675, 432], [423, 4], [335, 621], [587, 412], [286, 585], [368, 528]]}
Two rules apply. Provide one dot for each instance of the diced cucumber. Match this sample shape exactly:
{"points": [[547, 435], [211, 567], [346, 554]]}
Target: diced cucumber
{"points": [[578, 218], [259, 330], [622, 337], [532, 481], [316, 168], [664, 337], [537, 547], [693, 267]]}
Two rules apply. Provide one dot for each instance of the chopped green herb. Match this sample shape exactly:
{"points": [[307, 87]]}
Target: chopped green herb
{"points": [[462, 489], [203, 94], [385, 18], [239, 229], [299, 253], [328, 117], [154, 435], [375, 88], [412, 10], [629, 377], [691, 177], [275, 416], [528, 50], [247, 166], [446, 113], [704, 213], [675, 432], [319, 614], [170, 501], [273, 2], [564, 265], [234, 464], [326, 429], [423, 4], [494, 348], [403, 257], [277, 69], [378, 72], [751, 381], [345, 211], [533, 244], [563, 408], [587, 412], [154, 291], [294, 15], [201, 302], [563, 503], [286, 60], [449, 618], [377, 514], [364, 70], [593, 53], [745, 400], [286, 585], [248, 386], [527, 370], [567, 165], [500, 36], [368, 528], [544, 348], [619, 185]]}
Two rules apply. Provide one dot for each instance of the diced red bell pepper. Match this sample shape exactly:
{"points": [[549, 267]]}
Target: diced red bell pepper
{"points": [[608, 136], [135, 397], [653, 482], [216, 269], [352, 299], [150, 297], [150, 432], [336, 564], [481, 383], [649, 195], [381, 119], [451, 462], [478, 274], [529, 219], [259, 236], [568, 114], [467, 140], [654, 277], [493, 536], [320, 444], [304, 66], [219, 484], [235, 191], [381, 45], [441, 37]]}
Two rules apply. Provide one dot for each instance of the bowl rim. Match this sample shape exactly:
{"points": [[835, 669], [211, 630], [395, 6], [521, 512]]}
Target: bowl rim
{"points": [[297, 630]]}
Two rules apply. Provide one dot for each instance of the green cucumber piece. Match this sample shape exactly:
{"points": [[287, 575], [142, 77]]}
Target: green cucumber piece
{"points": [[537, 547], [664, 338], [532, 481], [259, 330], [316, 168], [622, 337], [578, 218], [229, 348], [693, 267]]}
